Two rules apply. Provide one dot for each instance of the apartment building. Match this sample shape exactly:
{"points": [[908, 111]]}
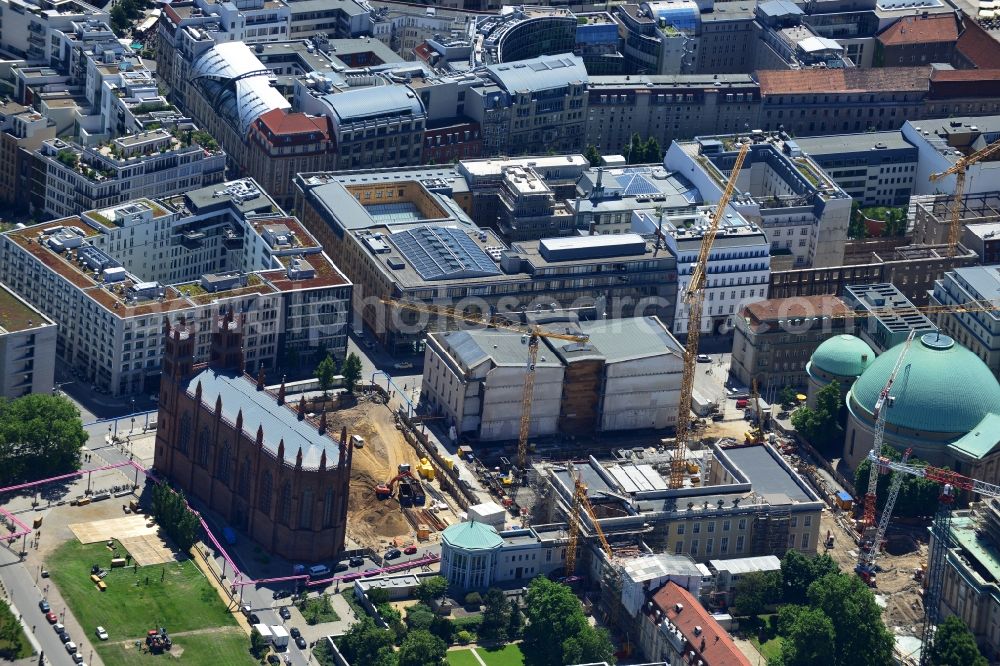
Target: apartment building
{"points": [[802, 211], [739, 265], [151, 164], [110, 278], [978, 331], [22, 130], [29, 26], [27, 347]]}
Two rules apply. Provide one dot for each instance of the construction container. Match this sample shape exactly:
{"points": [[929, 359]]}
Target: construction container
{"points": [[489, 513], [845, 501], [449, 463], [423, 532], [426, 469]]}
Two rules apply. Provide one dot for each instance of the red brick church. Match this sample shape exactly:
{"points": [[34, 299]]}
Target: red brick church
{"points": [[263, 465]]}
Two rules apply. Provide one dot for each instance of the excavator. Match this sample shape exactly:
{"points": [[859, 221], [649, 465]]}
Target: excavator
{"points": [[415, 496]]}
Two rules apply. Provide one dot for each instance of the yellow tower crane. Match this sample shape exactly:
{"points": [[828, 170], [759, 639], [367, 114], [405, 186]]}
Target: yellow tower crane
{"points": [[581, 504], [958, 169], [695, 299], [534, 333]]}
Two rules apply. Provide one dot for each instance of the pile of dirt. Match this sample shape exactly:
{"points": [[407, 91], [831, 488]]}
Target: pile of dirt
{"points": [[373, 522]]}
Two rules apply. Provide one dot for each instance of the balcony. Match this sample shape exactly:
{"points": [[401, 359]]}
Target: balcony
{"points": [[192, 239]]}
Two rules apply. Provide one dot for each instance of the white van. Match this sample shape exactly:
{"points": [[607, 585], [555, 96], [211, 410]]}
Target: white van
{"points": [[319, 570]]}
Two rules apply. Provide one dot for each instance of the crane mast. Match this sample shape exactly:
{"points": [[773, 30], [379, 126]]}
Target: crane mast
{"points": [[958, 169], [695, 299], [881, 407], [866, 558]]}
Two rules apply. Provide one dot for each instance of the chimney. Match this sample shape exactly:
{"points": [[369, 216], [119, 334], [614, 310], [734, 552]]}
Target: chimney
{"points": [[281, 391], [678, 608], [302, 407], [260, 378]]}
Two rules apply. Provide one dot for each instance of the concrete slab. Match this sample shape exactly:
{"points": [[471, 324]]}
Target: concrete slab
{"points": [[148, 549], [112, 528]]}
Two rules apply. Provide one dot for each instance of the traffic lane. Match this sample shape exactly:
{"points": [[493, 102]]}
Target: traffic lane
{"points": [[25, 596]]}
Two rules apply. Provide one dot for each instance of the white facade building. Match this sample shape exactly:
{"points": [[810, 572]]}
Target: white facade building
{"points": [[29, 26], [111, 277], [625, 377], [739, 265]]}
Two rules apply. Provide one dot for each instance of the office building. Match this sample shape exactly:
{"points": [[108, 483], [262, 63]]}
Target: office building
{"points": [[983, 239], [626, 376], [262, 464], [111, 276], [774, 339], [803, 213], [916, 40], [979, 331], [884, 316]]}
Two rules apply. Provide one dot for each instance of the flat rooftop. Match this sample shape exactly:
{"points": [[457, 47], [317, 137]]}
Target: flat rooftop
{"points": [[766, 475], [985, 553], [822, 146], [17, 315]]}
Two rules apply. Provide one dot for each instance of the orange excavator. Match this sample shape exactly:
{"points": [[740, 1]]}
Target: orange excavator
{"points": [[384, 490]]}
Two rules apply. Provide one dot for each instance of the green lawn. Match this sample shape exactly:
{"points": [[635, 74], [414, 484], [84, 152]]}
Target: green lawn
{"points": [[461, 658], [13, 643], [509, 655], [226, 647], [175, 596], [317, 610], [771, 649]]}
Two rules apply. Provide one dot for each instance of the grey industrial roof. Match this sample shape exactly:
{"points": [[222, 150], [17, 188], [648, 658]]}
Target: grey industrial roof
{"points": [[502, 348], [779, 8], [443, 253], [645, 568], [375, 102], [850, 143], [984, 280], [261, 409], [766, 475], [542, 73], [349, 7], [619, 340], [744, 565]]}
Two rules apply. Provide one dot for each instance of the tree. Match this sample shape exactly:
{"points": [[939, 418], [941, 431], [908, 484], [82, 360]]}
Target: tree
{"points": [[918, 497], [419, 616], [954, 645], [422, 648], [821, 425], [431, 588], [758, 590], [351, 371], [857, 229], [652, 151], [635, 150], [173, 515], [515, 622], [365, 643], [474, 600], [799, 571], [810, 639], [591, 645], [325, 371], [496, 616], [258, 644], [593, 156], [787, 396], [861, 636], [556, 624], [40, 435]]}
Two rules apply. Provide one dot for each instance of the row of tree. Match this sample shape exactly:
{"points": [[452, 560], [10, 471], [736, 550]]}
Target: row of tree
{"points": [[173, 515], [828, 617], [40, 436], [327, 370], [636, 151]]}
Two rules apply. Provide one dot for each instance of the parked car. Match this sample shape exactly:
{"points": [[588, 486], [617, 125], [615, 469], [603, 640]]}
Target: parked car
{"points": [[356, 561], [371, 572], [704, 358], [281, 594], [51, 617], [71, 647], [410, 550], [101, 633], [402, 365], [245, 609], [77, 658], [58, 627], [742, 403], [285, 613], [64, 637], [43, 605], [294, 632], [340, 566], [392, 553], [300, 643], [254, 619]]}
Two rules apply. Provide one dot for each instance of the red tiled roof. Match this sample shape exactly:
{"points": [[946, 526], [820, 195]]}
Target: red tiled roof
{"points": [[978, 46], [952, 83], [712, 645], [881, 80], [917, 30], [281, 122]]}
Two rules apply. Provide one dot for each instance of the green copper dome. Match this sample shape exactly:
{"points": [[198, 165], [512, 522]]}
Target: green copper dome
{"points": [[472, 536], [942, 387], [843, 355]]}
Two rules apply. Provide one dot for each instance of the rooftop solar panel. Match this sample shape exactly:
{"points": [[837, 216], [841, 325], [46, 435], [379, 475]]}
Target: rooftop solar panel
{"points": [[443, 253]]}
